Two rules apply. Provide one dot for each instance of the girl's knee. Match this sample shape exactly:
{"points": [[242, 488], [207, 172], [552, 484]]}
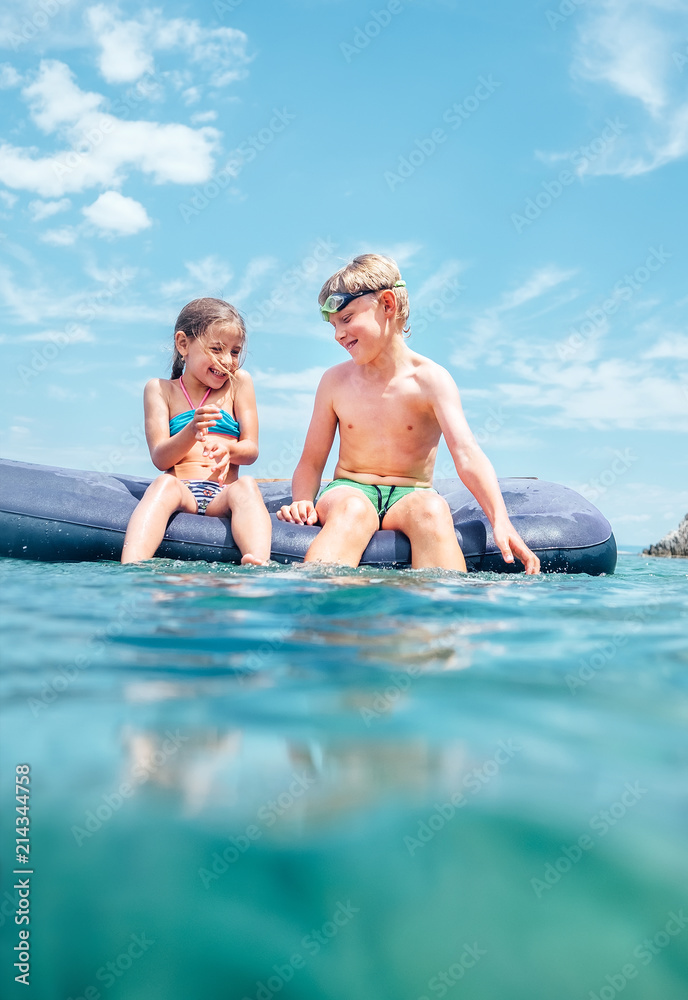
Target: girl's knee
{"points": [[246, 487], [166, 488], [244, 492]]}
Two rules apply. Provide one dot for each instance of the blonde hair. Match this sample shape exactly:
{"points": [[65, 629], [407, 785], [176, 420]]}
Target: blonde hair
{"points": [[371, 271], [196, 320]]}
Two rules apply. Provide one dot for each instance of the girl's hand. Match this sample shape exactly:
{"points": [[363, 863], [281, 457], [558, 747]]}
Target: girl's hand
{"points": [[219, 454], [299, 512], [204, 419]]}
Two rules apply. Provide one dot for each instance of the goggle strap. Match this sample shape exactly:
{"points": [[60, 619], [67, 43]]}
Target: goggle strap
{"points": [[325, 312]]}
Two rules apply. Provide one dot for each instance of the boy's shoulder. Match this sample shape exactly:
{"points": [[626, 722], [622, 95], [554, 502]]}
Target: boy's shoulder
{"points": [[337, 373], [429, 371]]}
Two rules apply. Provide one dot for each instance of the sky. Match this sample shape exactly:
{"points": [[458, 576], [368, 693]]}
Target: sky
{"points": [[524, 163]]}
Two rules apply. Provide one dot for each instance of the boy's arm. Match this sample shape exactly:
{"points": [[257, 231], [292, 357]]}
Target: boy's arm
{"points": [[476, 472], [308, 473]]}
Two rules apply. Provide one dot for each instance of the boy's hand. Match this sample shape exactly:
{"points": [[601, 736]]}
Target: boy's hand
{"points": [[299, 512], [510, 543]]}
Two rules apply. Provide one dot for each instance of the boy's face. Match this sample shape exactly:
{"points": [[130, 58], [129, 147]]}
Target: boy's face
{"points": [[359, 327]]}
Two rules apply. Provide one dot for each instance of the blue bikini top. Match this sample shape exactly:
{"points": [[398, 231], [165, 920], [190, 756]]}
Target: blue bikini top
{"points": [[225, 424]]}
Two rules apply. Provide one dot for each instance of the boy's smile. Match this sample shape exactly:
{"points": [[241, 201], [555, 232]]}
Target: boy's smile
{"points": [[358, 329]]}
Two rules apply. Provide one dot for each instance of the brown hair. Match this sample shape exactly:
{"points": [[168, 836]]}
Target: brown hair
{"points": [[196, 319], [369, 270]]}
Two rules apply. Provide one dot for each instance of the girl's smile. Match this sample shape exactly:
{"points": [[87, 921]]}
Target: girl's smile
{"points": [[212, 359]]}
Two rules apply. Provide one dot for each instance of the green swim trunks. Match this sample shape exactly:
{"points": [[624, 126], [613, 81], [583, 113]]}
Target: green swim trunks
{"points": [[381, 497]]}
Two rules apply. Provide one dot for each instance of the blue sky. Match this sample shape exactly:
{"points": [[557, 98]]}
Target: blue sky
{"points": [[525, 164]]}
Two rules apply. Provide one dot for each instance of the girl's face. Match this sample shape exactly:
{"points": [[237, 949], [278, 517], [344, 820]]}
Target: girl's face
{"points": [[211, 358]]}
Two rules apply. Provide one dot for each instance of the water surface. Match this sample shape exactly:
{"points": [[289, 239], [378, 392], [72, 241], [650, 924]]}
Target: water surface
{"points": [[348, 784]]}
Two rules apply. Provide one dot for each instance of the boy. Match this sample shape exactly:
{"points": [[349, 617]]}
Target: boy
{"points": [[391, 406]]}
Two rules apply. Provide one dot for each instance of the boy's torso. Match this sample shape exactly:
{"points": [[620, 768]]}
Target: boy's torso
{"points": [[387, 425]]}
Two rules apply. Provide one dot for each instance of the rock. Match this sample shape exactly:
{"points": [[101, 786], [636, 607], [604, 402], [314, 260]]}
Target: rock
{"points": [[673, 544]]}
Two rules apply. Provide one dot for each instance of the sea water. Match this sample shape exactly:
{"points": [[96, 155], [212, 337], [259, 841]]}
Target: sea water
{"points": [[343, 785]]}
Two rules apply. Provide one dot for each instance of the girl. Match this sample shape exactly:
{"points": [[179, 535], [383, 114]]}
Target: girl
{"points": [[201, 425]]}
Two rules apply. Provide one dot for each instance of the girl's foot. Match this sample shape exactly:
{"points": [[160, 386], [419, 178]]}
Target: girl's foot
{"points": [[251, 560]]}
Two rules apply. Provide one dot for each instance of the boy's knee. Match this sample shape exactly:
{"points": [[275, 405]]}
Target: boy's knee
{"points": [[354, 507], [433, 512], [353, 513]]}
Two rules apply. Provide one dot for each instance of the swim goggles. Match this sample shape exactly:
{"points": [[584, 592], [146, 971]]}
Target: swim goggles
{"points": [[333, 303]]}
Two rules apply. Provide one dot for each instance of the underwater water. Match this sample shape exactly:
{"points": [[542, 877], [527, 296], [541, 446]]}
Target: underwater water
{"points": [[343, 785]]}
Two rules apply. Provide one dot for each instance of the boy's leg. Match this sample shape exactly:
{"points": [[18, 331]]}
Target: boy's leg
{"points": [[251, 524], [424, 516], [349, 521], [147, 524]]}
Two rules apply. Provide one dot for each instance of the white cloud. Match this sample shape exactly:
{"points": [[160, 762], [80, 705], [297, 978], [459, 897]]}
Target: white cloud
{"points": [[54, 98], [403, 253], [30, 300], [8, 199], [445, 278], [115, 214], [191, 95], [627, 45], [123, 55], [101, 150], [487, 336], [201, 117], [8, 76], [127, 47], [534, 287], [662, 508], [40, 210], [304, 381], [673, 345], [256, 269], [211, 275], [174, 289], [76, 335], [64, 237], [223, 50], [611, 393]]}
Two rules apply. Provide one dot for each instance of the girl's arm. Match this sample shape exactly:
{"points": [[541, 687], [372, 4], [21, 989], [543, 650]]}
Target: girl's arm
{"points": [[165, 451], [244, 451]]}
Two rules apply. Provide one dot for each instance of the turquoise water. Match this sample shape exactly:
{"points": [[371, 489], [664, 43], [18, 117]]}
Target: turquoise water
{"points": [[358, 784]]}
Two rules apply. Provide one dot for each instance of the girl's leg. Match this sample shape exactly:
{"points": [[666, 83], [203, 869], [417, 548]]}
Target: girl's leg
{"points": [[251, 524], [147, 525]]}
